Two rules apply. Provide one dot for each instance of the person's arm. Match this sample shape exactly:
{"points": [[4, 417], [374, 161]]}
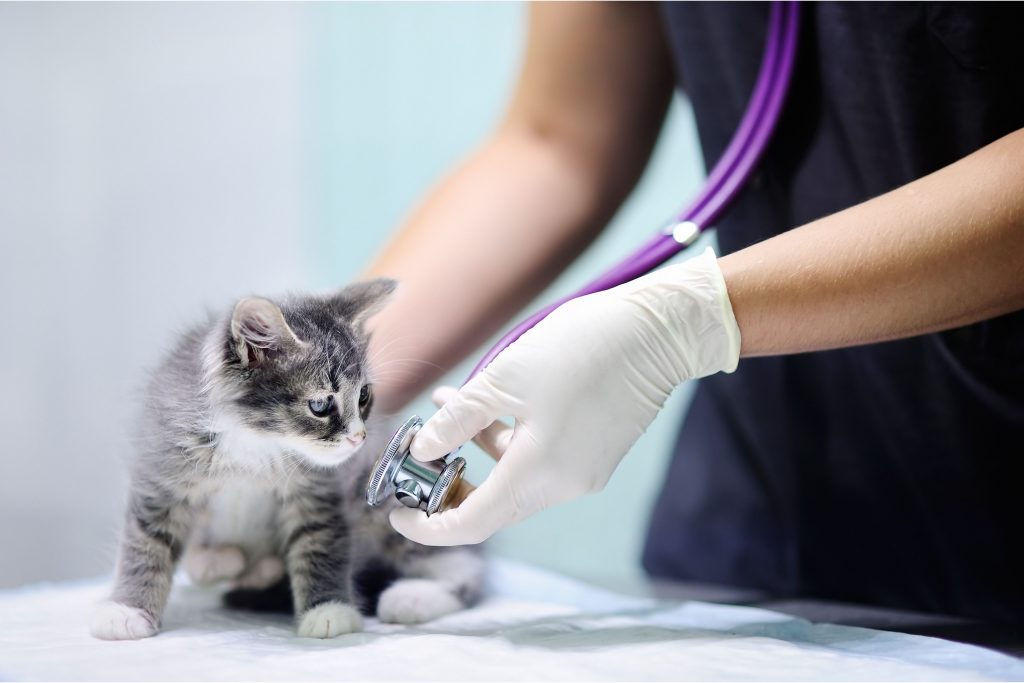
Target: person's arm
{"points": [[578, 132], [944, 251], [582, 385]]}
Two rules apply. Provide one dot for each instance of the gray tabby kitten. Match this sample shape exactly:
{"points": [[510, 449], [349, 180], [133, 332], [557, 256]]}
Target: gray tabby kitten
{"points": [[252, 463]]}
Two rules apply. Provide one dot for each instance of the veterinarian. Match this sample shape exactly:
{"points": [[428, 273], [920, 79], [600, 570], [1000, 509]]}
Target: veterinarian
{"points": [[858, 433]]}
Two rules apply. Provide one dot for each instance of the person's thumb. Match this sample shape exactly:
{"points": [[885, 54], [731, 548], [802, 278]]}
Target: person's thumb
{"points": [[443, 394]]}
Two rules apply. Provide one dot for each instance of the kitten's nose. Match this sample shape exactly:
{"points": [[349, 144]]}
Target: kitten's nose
{"points": [[356, 437]]}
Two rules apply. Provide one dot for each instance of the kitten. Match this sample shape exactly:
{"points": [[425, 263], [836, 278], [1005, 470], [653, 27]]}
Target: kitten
{"points": [[252, 462]]}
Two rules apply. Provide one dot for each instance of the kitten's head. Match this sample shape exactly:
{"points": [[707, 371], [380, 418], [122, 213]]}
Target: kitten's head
{"points": [[296, 373]]}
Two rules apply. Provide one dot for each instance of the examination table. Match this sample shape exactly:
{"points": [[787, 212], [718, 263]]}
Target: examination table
{"points": [[532, 625]]}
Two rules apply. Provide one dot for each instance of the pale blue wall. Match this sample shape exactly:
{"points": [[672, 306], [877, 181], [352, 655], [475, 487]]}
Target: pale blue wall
{"points": [[158, 159], [405, 90], [152, 164]]}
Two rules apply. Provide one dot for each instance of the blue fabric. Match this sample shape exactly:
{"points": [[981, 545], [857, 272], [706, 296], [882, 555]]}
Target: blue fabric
{"points": [[887, 474]]}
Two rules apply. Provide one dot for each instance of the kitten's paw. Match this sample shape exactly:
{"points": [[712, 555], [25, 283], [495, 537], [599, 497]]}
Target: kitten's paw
{"points": [[414, 601], [329, 620], [114, 621], [208, 565], [264, 574]]}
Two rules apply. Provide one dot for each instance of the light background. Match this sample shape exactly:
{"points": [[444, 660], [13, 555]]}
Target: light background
{"points": [[157, 159]]}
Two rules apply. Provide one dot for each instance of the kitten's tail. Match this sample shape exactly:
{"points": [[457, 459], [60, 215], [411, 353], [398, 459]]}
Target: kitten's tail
{"points": [[369, 583], [276, 598]]}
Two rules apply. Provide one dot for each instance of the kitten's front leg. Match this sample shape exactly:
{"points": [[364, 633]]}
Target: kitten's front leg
{"points": [[317, 557], [155, 532]]}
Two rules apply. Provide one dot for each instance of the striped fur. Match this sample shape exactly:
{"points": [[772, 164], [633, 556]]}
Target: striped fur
{"points": [[235, 471]]}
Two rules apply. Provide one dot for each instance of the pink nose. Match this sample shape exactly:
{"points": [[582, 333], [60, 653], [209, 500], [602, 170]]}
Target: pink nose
{"points": [[356, 438]]}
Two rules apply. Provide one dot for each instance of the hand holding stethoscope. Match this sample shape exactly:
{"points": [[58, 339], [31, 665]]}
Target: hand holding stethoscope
{"points": [[582, 386]]}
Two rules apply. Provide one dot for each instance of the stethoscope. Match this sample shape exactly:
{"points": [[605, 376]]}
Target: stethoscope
{"points": [[434, 486]]}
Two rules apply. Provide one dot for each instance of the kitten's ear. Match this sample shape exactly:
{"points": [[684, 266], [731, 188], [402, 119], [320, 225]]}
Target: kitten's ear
{"points": [[361, 300], [259, 331]]}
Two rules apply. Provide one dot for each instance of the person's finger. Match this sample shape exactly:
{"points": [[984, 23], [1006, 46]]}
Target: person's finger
{"points": [[485, 511], [443, 394], [493, 439], [462, 417]]}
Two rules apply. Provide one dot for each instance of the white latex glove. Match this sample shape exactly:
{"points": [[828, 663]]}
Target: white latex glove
{"points": [[582, 386]]}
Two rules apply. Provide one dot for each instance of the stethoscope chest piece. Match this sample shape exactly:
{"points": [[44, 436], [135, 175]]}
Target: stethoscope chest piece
{"points": [[425, 485]]}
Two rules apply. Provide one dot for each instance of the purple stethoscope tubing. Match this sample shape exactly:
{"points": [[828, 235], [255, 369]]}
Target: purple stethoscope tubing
{"points": [[723, 184]]}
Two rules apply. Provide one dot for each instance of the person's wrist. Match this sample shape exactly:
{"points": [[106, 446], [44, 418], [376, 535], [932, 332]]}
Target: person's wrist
{"points": [[690, 304]]}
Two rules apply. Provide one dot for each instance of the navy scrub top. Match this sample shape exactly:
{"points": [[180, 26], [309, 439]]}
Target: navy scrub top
{"points": [[889, 474]]}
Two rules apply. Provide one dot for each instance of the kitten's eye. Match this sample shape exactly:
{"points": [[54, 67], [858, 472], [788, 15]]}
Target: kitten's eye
{"points": [[321, 407], [364, 395]]}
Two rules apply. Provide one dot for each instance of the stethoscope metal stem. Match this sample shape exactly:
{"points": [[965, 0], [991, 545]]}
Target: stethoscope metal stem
{"points": [[428, 486]]}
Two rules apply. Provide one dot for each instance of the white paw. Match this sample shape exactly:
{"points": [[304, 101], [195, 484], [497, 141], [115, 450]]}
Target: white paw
{"points": [[329, 620], [114, 621], [414, 601], [264, 574], [206, 565]]}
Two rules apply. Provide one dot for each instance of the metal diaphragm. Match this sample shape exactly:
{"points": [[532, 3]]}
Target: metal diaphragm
{"points": [[425, 485]]}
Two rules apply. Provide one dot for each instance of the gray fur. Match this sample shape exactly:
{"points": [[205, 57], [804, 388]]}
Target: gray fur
{"points": [[231, 455]]}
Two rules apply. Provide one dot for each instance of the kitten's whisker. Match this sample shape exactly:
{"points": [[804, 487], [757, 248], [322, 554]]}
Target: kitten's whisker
{"points": [[388, 344], [296, 463], [393, 374], [413, 361], [376, 356]]}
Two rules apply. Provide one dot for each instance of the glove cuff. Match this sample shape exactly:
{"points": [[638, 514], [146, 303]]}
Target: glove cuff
{"points": [[690, 302]]}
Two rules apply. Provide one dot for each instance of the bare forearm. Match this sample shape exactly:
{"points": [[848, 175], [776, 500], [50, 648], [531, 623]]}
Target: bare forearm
{"points": [[944, 251], [579, 129], [486, 241]]}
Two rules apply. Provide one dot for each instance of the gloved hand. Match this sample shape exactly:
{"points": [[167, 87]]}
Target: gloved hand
{"points": [[582, 386]]}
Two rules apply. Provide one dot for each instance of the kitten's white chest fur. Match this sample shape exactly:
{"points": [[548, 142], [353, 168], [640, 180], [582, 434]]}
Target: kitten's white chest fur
{"points": [[236, 535], [241, 512], [241, 497], [240, 447]]}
